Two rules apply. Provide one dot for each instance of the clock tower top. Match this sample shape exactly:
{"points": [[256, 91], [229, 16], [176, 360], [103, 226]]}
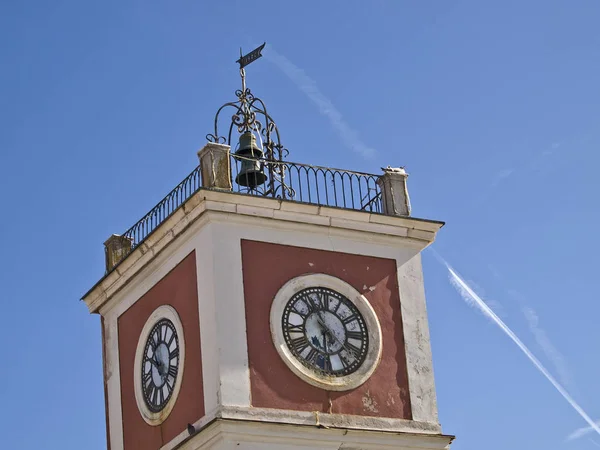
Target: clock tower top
{"points": [[265, 304]]}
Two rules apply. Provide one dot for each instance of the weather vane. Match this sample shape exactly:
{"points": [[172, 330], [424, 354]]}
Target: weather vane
{"points": [[248, 59]]}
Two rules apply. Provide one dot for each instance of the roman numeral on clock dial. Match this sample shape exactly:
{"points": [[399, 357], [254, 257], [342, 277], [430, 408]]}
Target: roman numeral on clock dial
{"points": [[300, 344]]}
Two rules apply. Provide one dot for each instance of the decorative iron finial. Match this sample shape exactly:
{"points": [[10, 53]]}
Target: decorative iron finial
{"points": [[251, 117], [247, 59]]}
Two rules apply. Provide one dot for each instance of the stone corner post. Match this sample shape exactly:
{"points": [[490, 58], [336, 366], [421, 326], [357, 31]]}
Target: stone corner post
{"points": [[116, 248], [215, 167], [394, 192]]}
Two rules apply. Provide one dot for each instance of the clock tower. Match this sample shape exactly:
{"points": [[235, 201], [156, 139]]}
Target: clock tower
{"points": [[265, 304]]}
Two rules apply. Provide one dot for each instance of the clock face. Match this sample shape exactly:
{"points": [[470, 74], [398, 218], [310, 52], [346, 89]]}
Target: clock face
{"points": [[325, 331], [160, 365]]}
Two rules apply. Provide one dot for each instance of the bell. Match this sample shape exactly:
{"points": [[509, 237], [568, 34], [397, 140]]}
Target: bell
{"points": [[251, 172]]}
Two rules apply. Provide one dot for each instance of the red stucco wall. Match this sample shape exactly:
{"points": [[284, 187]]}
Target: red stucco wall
{"points": [[178, 289], [266, 268]]}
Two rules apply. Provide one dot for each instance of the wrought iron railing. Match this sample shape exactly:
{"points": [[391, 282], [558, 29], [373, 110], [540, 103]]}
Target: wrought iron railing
{"points": [[295, 182], [312, 184], [167, 206]]}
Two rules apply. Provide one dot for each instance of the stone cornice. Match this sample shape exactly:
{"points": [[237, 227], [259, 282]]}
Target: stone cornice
{"points": [[312, 429], [213, 206]]}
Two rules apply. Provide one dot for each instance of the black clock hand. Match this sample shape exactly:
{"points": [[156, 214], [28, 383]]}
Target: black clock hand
{"points": [[324, 326], [158, 364], [161, 370], [322, 323], [324, 329], [153, 362]]}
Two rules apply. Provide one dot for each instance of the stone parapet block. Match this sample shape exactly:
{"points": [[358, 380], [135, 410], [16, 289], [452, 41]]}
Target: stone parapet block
{"points": [[215, 166], [394, 192]]}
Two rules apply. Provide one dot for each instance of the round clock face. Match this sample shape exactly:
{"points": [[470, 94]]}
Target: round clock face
{"points": [[160, 365], [325, 331]]}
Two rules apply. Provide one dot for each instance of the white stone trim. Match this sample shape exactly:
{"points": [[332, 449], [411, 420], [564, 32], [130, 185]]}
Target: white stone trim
{"points": [[343, 383], [155, 269], [207, 318], [162, 312], [307, 419], [344, 421], [113, 383], [227, 434], [185, 435], [234, 375], [417, 343]]}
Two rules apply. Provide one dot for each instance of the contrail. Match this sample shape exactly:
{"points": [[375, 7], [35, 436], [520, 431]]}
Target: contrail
{"points": [[542, 339], [307, 85], [474, 300], [551, 352], [580, 432]]}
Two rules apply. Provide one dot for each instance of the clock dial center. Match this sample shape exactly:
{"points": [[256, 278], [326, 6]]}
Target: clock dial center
{"points": [[325, 331], [159, 370]]}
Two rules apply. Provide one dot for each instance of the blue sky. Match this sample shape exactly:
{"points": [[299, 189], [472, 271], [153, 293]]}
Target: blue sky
{"points": [[493, 107]]}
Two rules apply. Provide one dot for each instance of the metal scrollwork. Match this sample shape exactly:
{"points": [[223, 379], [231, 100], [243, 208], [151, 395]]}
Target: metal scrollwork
{"points": [[215, 139], [250, 114]]}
